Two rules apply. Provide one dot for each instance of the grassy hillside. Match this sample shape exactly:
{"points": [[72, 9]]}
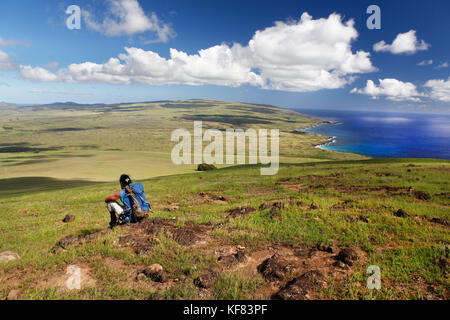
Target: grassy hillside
{"points": [[220, 227], [99, 142]]}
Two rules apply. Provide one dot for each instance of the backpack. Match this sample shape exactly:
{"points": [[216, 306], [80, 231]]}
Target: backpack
{"points": [[136, 207]]}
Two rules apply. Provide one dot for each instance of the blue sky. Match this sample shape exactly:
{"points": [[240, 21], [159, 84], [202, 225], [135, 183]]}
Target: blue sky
{"points": [[291, 64]]}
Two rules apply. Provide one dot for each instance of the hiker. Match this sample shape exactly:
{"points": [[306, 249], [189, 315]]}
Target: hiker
{"points": [[135, 204]]}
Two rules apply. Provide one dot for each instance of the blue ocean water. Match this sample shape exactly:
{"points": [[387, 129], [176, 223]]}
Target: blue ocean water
{"points": [[385, 134]]}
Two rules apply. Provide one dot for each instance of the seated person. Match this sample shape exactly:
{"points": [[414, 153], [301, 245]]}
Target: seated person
{"points": [[135, 205]]}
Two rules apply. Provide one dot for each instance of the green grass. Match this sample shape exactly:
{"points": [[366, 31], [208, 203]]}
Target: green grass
{"points": [[57, 160], [100, 142], [406, 249]]}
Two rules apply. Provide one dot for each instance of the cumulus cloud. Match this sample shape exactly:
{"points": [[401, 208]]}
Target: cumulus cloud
{"points": [[439, 89], [425, 63], [392, 89], [303, 55], [5, 61], [37, 74], [406, 43], [126, 17]]}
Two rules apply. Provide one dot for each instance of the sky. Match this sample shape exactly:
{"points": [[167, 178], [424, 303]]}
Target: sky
{"points": [[299, 54]]}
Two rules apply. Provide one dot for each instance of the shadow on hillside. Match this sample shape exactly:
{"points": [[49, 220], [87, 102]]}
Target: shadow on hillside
{"points": [[20, 186]]}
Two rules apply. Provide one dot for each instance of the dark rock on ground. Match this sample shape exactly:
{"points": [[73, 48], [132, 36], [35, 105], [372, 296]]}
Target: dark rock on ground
{"points": [[314, 206], [240, 211], [265, 206], [230, 259], [206, 280], [75, 241], [421, 195], [155, 272], [341, 265], [302, 287], [440, 221], [68, 241], [364, 219], [69, 218], [401, 213], [277, 267], [348, 256], [326, 248]]}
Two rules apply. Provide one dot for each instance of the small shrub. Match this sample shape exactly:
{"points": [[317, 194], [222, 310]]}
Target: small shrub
{"points": [[206, 167]]}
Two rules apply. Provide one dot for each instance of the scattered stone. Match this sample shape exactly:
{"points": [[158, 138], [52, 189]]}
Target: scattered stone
{"points": [[401, 213], [233, 258], [265, 206], [324, 247], [155, 272], [348, 256], [421, 195], [440, 221], [141, 276], [302, 287], [75, 241], [13, 295], [69, 218], [67, 242], [277, 267], [364, 219], [240, 211], [341, 265], [313, 206], [206, 280], [7, 256]]}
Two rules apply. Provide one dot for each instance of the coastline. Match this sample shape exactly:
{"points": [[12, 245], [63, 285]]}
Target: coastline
{"points": [[330, 139]]}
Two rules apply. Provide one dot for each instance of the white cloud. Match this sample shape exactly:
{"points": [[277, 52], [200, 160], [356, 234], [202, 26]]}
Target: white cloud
{"points": [[126, 17], [5, 61], [442, 65], [425, 63], [404, 43], [392, 89], [439, 89], [37, 74], [308, 55], [303, 55]]}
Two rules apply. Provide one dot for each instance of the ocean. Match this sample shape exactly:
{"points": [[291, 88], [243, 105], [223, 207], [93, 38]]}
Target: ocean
{"points": [[384, 134]]}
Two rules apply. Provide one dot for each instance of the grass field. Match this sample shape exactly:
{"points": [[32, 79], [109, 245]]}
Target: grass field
{"points": [[355, 205], [99, 142], [224, 234]]}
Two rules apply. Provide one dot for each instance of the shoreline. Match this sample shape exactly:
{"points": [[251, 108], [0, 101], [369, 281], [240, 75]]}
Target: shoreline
{"points": [[330, 139]]}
